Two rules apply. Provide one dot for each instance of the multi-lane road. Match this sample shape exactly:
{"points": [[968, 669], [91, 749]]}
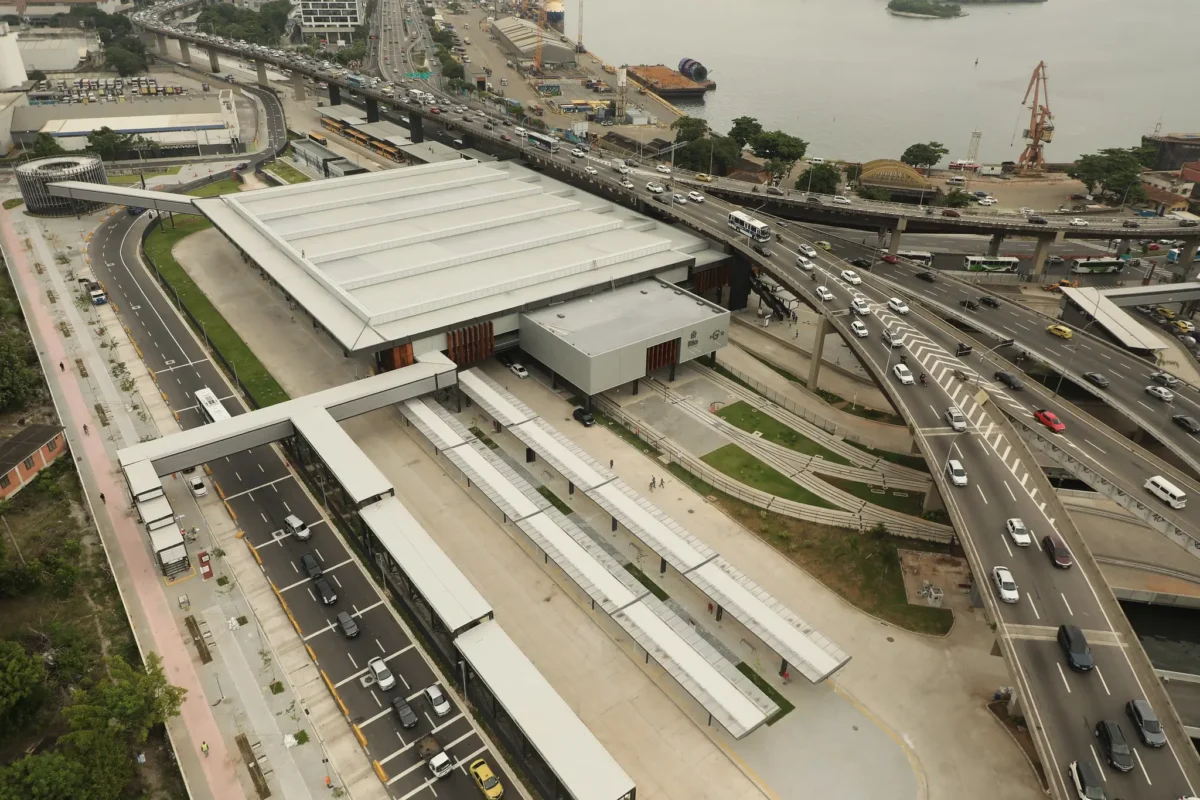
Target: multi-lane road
{"points": [[262, 491]]}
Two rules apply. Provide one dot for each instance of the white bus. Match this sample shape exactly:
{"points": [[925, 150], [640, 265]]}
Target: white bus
{"points": [[1083, 266], [990, 264], [1174, 254], [210, 407], [747, 225], [542, 141], [921, 257]]}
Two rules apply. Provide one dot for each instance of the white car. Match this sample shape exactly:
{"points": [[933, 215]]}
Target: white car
{"points": [[591, 170], [815, 160], [577, 153], [804, 264], [695, 197], [958, 475], [663, 168], [839, 200], [1026, 210], [624, 170], [1161, 392], [655, 188], [807, 251], [897, 305], [859, 329], [957, 420], [519, 371], [384, 678], [860, 306], [196, 485], [437, 700], [987, 201], [1006, 587], [904, 374], [824, 293], [851, 277], [1018, 532], [1079, 223], [627, 184], [678, 199]]}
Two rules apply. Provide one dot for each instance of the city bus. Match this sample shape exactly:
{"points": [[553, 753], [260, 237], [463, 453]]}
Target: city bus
{"points": [[542, 141], [1082, 266], [335, 125], [319, 138], [990, 264], [917, 256], [1174, 253], [210, 407], [747, 225]]}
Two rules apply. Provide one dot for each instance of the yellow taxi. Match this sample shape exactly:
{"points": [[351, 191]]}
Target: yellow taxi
{"points": [[1183, 326], [824, 245], [1061, 331], [486, 780], [1165, 313], [703, 178]]}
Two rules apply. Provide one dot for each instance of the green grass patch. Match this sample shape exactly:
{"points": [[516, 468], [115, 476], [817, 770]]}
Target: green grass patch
{"points": [[259, 383], [910, 460], [217, 188], [906, 502], [286, 172], [554, 500], [301, 736], [135, 179], [745, 468], [785, 706], [277, 687], [750, 419], [14, 202], [483, 437], [835, 400], [650, 585]]}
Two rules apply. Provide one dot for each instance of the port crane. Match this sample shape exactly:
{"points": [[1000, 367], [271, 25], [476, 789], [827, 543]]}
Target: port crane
{"points": [[1041, 122], [541, 32]]}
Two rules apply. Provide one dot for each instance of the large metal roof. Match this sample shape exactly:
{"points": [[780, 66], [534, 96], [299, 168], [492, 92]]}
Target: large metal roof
{"points": [[398, 254], [1122, 326], [357, 474]]}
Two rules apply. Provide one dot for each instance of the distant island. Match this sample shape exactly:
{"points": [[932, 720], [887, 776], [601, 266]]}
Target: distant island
{"points": [[925, 9]]}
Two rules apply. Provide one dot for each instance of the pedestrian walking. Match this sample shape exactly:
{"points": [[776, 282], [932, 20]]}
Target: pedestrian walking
{"points": [[610, 463], [204, 748], [61, 368], [102, 500], [652, 484], [85, 431]]}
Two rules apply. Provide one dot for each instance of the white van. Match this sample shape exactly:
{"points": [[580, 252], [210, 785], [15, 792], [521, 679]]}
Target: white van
{"points": [[1166, 491], [956, 180]]}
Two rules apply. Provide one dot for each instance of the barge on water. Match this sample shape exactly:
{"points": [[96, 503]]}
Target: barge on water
{"points": [[667, 82]]}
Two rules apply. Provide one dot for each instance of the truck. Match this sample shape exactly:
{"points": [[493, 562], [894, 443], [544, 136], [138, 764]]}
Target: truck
{"points": [[430, 750], [87, 282]]}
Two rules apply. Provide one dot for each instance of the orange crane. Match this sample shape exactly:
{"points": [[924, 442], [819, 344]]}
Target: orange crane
{"points": [[541, 28], [1041, 122]]}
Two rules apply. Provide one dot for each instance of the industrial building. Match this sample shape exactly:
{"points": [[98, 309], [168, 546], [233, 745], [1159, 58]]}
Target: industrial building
{"points": [[330, 20], [519, 37], [41, 12]]}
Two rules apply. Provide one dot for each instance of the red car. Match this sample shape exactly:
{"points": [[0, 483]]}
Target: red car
{"points": [[434, 110], [1153, 246], [889, 258], [1049, 419]]}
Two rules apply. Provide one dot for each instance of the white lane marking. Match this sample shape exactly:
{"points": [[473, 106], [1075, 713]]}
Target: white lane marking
{"points": [[1031, 605], [981, 494], [1101, 449], [1064, 677], [1101, 674], [1004, 457], [1004, 539], [1145, 774], [1065, 603], [1010, 494], [1099, 766]]}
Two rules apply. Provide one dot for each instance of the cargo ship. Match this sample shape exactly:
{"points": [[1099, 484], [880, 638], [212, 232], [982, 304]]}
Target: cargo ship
{"points": [[555, 14], [690, 80]]}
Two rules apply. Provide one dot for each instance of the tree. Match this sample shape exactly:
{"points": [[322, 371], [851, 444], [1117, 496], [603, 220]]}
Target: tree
{"points": [[107, 143], [37, 75], [924, 155], [957, 198], [127, 55], [873, 193], [129, 704], [106, 760], [744, 129], [18, 380], [45, 146], [780, 150], [1114, 171], [689, 129], [819, 178], [47, 776], [21, 677], [712, 153]]}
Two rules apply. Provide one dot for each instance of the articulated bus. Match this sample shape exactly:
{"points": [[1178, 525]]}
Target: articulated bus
{"points": [[358, 137], [335, 125], [1082, 266], [386, 150], [319, 138], [542, 141], [210, 407], [990, 264], [917, 256], [747, 225]]}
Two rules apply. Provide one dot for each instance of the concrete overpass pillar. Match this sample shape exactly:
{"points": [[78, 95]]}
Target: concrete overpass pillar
{"points": [[814, 369], [372, 109], [161, 38], [1042, 250], [416, 128], [1187, 257], [894, 236], [335, 96], [213, 63], [261, 67], [298, 85], [185, 52], [994, 245]]}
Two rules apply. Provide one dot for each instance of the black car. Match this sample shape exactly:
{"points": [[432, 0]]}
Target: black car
{"points": [[1112, 742], [1037, 220], [1096, 379], [348, 624], [408, 718], [312, 567], [969, 304], [584, 416], [1075, 647], [927, 276], [774, 190], [666, 201], [505, 359], [1057, 551], [1130, 224], [1188, 223], [1146, 723], [1189, 424], [629, 162], [861, 263], [1009, 380], [758, 248], [816, 201], [326, 592], [1085, 781], [989, 301]]}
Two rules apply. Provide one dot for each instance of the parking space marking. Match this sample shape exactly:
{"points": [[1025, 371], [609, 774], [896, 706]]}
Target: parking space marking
{"points": [[369, 720], [256, 488], [278, 535]]}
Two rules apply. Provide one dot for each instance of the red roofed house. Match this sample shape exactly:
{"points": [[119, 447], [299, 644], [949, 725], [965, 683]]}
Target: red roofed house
{"points": [[26, 453]]}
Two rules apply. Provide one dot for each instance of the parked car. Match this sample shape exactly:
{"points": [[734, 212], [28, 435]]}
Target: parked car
{"points": [[1146, 723], [1017, 531], [486, 780], [384, 678], [347, 624], [582, 415], [325, 591], [196, 486], [1009, 380], [519, 371], [437, 700], [404, 713], [311, 566]]}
